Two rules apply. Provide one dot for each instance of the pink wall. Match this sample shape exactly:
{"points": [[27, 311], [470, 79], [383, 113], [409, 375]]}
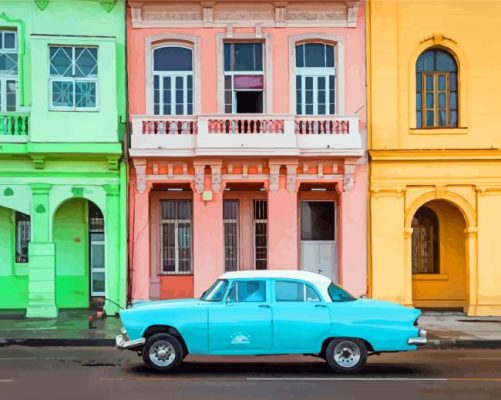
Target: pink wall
{"points": [[354, 41]]}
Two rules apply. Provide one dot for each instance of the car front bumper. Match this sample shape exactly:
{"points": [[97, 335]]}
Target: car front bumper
{"points": [[123, 341], [419, 340]]}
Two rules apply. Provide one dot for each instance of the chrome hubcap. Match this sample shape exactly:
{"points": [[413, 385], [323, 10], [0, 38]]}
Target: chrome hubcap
{"points": [[162, 353], [347, 354]]}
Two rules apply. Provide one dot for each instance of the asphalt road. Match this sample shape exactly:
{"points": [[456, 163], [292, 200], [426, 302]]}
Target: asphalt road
{"points": [[105, 373]]}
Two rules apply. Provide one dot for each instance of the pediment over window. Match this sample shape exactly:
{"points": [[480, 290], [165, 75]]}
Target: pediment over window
{"points": [[293, 13]]}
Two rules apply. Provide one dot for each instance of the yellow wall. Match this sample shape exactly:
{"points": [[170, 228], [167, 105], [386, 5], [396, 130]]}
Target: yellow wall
{"points": [[461, 166]]}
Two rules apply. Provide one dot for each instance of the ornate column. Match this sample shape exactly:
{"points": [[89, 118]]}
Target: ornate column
{"points": [[42, 265], [114, 274], [140, 233], [282, 218]]}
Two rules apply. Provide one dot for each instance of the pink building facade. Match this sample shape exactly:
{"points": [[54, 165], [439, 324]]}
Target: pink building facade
{"points": [[247, 144]]}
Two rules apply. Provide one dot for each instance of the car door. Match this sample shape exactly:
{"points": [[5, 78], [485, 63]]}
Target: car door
{"points": [[301, 319], [242, 323]]}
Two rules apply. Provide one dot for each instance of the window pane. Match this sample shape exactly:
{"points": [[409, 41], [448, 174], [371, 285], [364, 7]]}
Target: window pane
{"points": [[97, 255], [258, 57], [227, 56], [309, 109], [454, 119], [289, 291], [425, 242], [244, 57], [300, 56], [315, 55], [11, 95], [426, 61], [332, 94], [9, 40], [453, 81], [311, 295], [317, 220], [98, 282], [249, 81], [62, 94], [441, 82], [429, 83], [85, 62], [442, 118], [321, 109], [23, 237], [299, 95], [172, 59], [166, 95], [168, 247], [61, 61], [85, 94], [445, 62], [419, 122], [156, 94], [8, 63], [248, 291], [329, 56], [419, 100], [429, 100], [441, 100], [454, 101], [419, 79], [430, 120]]}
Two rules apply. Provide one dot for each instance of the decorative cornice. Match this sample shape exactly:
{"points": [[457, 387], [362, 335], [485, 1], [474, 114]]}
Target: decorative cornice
{"points": [[42, 4], [434, 154], [112, 162], [140, 167], [108, 4], [377, 192], [38, 161]]}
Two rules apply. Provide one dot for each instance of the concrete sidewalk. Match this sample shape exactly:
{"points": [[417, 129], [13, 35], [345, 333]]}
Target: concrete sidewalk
{"points": [[71, 328]]}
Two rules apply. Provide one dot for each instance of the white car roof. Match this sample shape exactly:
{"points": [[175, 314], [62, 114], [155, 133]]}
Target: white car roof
{"points": [[316, 279]]}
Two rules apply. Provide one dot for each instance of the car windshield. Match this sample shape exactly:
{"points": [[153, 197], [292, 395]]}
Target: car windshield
{"points": [[339, 294], [216, 291]]}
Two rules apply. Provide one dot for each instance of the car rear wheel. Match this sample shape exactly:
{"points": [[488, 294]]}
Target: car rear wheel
{"points": [[346, 355], [162, 352]]}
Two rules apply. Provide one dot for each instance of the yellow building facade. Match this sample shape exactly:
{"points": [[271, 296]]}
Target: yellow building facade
{"points": [[434, 126]]}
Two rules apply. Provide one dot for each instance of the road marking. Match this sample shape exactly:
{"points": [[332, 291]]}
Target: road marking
{"points": [[16, 358], [346, 379], [6, 380], [60, 358], [479, 358]]}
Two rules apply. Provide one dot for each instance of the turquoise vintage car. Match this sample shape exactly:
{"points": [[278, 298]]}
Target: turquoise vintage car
{"points": [[270, 312]]}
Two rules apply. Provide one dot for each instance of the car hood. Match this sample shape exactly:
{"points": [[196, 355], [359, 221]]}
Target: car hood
{"points": [[147, 304]]}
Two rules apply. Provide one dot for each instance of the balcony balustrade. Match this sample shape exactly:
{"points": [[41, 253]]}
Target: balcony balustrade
{"points": [[14, 127], [248, 134]]}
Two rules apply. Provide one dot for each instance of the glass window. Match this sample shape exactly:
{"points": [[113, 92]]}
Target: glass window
{"points": [[176, 236], [260, 224], [73, 77], [337, 293], [23, 237], [436, 90], [173, 80], [244, 78], [315, 79], [216, 291], [317, 220], [231, 234], [8, 71], [425, 247], [294, 291], [248, 291]]}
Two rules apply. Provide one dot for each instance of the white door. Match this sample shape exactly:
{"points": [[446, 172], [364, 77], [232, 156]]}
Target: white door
{"points": [[318, 238]]}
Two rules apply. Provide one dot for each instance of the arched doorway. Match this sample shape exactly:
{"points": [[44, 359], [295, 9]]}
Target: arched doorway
{"points": [[439, 257], [78, 234]]}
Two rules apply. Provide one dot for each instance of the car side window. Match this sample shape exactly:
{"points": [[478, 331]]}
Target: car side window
{"points": [[248, 291], [294, 291]]}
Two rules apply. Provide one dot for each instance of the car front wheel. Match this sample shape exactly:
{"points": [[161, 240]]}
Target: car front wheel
{"points": [[163, 352], [346, 355]]}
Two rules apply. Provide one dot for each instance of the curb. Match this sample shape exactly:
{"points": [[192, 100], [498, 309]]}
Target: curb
{"points": [[57, 342], [462, 344]]}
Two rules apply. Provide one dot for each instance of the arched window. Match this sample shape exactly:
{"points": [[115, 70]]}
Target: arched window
{"points": [[173, 80], [315, 79], [436, 90], [425, 245]]}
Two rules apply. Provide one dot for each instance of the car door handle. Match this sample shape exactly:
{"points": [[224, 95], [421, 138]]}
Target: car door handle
{"points": [[320, 305], [264, 305]]}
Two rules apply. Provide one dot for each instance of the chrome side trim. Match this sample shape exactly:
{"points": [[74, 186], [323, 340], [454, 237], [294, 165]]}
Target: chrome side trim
{"points": [[123, 343]]}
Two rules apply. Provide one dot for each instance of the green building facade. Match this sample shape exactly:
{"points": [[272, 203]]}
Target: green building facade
{"points": [[62, 178]]}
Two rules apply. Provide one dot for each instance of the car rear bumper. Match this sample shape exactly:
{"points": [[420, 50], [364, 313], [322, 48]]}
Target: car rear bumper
{"points": [[123, 342], [419, 340]]}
